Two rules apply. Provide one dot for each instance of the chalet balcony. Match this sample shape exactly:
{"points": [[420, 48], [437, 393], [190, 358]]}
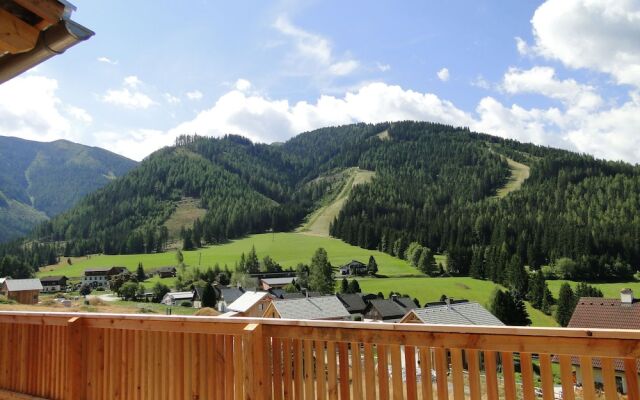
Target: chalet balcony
{"points": [[107, 356]]}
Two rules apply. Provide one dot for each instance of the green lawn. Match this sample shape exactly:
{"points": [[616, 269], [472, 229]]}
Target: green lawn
{"points": [[430, 289], [288, 249], [610, 290]]}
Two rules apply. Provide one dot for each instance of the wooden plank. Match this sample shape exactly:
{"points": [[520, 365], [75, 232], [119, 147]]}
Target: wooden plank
{"points": [[458, 374], [369, 372], [631, 376], [490, 371], [227, 366], [343, 370], [425, 372], [298, 373], [566, 376], [410, 372], [442, 383], [75, 367], [526, 369], [9, 395], [288, 374], [473, 363], [396, 372], [356, 371], [383, 372], [276, 346], [238, 368], [546, 376], [16, 36], [332, 374], [509, 376], [309, 392], [588, 384], [609, 379], [320, 371], [49, 10]]}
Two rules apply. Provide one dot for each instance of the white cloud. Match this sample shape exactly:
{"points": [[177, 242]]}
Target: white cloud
{"points": [[243, 85], [343, 67], [129, 96], [135, 144], [30, 109], [171, 99], [194, 95], [481, 82], [383, 67], [542, 80], [80, 114], [132, 81], [522, 46], [313, 53], [601, 35], [107, 60], [443, 74]]}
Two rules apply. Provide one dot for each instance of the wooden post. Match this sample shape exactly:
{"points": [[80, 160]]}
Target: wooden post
{"points": [[255, 366], [75, 368]]}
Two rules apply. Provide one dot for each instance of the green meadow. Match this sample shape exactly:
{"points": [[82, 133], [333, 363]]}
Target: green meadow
{"points": [[288, 249], [430, 289], [610, 290]]}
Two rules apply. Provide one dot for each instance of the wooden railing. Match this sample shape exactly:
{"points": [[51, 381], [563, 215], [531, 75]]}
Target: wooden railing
{"points": [[107, 356]]}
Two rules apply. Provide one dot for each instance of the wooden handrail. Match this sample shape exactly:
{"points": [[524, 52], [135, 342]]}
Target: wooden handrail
{"points": [[113, 356]]}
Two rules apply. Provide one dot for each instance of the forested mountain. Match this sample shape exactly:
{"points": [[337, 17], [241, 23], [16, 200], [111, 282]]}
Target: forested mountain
{"points": [[434, 185], [39, 180]]}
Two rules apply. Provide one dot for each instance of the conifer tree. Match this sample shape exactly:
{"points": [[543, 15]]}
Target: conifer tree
{"points": [[566, 304], [320, 273], [140, 275], [372, 266], [209, 296]]}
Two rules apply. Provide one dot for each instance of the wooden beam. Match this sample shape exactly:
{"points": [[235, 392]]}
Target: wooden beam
{"points": [[16, 36], [7, 395], [49, 10]]}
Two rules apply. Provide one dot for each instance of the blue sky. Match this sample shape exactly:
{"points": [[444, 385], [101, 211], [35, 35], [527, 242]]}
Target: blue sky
{"points": [[564, 73]]}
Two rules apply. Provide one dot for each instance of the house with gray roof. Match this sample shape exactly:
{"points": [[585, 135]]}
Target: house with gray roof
{"points": [[226, 296], [250, 304], [353, 302], [467, 313], [405, 302], [275, 283], [25, 291], [384, 310], [312, 308]]}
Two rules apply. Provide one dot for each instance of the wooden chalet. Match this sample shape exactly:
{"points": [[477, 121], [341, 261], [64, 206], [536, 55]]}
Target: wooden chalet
{"points": [[24, 291], [54, 283]]}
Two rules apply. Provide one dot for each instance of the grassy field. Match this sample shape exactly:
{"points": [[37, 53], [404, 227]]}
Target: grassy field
{"points": [[519, 173], [187, 211], [319, 221], [430, 289], [288, 249], [610, 290]]}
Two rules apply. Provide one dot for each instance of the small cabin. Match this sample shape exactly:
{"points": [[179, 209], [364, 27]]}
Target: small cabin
{"points": [[24, 291]]}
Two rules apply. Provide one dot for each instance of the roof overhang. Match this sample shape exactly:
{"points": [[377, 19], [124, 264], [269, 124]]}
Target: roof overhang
{"points": [[32, 31]]}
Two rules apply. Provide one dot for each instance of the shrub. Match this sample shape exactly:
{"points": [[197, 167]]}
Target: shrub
{"points": [[186, 304]]}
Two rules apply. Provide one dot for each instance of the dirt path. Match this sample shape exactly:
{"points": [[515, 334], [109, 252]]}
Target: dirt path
{"points": [[519, 173], [319, 221]]}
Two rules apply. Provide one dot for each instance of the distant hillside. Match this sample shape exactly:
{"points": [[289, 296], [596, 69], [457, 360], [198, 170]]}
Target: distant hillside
{"points": [[492, 205], [40, 180]]}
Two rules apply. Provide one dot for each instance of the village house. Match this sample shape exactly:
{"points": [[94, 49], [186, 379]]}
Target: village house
{"points": [[100, 277], [405, 302], [250, 304], [597, 312], [385, 310], [353, 268], [226, 296], [24, 291], [166, 272], [177, 298], [54, 283], [310, 308], [463, 313], [353, 302], [276, 283]]}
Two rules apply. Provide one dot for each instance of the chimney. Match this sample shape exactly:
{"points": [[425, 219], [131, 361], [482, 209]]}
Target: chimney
{"points": [[447, 301], [626, 296]]}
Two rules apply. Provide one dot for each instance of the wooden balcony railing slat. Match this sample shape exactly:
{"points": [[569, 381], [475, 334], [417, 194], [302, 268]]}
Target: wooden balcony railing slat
{"points": [[343, 371], [609, 378], [332, 374], [588, 388], [356, 371], [546, 377], [321, 376], [442, 368], [308, 362], [490, 371], [369, 372], [425, 373], [457, 373], [508, 374], [410, 367], [631, 375], [566, 377], [396, 372], [526, 369], [473, 363], [383, 372]]}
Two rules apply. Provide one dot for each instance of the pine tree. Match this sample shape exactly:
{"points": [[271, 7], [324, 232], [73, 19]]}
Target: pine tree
{"points": [[566, 304], [320, 273], [140, 275], [354, 286], [209, 296], [252, 264], [344, 286], [372, 266]]}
